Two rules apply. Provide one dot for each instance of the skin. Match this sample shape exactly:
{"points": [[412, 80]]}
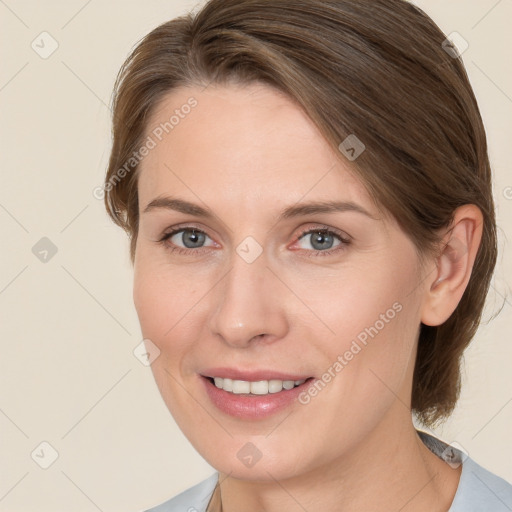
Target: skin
{"points": [[246, 153]]}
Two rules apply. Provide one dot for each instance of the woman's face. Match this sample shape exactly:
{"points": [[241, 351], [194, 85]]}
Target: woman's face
{"points": [[274, 273]]}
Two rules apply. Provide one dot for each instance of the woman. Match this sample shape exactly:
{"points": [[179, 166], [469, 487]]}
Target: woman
{"points": [[308, 195]]}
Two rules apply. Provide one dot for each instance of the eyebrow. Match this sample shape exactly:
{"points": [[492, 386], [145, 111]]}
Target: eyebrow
{"points": [[182, 206]]}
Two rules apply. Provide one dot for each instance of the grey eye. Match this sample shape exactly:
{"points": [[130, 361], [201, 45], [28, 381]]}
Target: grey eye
{"points": [[320, 240], [189, 238]]}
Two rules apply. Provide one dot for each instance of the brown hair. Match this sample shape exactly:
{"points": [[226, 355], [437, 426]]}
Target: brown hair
{"points": [[377, 69]]}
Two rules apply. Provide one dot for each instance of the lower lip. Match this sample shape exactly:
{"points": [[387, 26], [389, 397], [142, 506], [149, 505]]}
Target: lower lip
{"points": [[252, 407]]}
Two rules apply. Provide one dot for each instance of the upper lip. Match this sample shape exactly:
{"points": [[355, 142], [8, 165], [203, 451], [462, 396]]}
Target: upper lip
{"points": [[251, 375]]}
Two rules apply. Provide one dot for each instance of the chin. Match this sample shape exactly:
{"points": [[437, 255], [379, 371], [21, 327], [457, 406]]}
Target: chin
{"points": [[253, 457]]}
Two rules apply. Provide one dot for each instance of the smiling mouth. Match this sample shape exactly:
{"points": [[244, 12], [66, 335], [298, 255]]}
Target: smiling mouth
{"points": [[255, 388]]}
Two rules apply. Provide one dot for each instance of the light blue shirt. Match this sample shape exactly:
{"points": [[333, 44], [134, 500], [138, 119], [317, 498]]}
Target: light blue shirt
{"points": [[478, 491]]}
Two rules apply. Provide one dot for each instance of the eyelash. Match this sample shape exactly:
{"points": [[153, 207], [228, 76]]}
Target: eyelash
{"points": [[345, 242]]}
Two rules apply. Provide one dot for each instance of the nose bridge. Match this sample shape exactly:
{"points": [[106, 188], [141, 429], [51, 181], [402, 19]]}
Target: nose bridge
{"points": [[248, 304]]}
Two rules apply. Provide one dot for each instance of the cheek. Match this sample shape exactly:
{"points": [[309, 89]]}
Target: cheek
{"points": [[362, 302], [372, 320], [167, 308], [167, 304]]}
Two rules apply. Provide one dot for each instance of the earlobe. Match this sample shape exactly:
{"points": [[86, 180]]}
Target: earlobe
{"points": [[453, 266]]}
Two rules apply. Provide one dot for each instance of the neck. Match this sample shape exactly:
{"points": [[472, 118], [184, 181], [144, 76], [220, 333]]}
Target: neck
{"points": [[390, 470]]}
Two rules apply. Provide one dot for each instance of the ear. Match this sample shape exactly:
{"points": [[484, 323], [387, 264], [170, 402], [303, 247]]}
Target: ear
{"points": [[454, 264]]}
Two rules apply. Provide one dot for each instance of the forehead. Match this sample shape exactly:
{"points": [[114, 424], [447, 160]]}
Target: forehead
{"points": [[248, 143]]}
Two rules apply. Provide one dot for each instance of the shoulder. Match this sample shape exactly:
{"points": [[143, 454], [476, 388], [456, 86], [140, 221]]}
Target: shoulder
{"points": [[194, 499], [479, 490]]}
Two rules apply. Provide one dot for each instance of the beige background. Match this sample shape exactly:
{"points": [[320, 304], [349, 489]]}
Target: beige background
{"points": [[68, 326]]}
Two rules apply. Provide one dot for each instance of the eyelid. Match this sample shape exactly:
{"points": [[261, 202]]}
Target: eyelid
{"points": [[345, 241], [178, 229], [164, 241], [170, 231], [342, 235]]}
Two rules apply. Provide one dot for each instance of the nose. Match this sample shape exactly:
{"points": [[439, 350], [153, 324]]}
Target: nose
{"points": [[249, 305]]}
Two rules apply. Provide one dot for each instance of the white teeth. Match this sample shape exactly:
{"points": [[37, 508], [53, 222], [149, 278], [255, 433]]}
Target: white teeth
{"points": [[274, 386], [241, 386], [261, 387]]}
